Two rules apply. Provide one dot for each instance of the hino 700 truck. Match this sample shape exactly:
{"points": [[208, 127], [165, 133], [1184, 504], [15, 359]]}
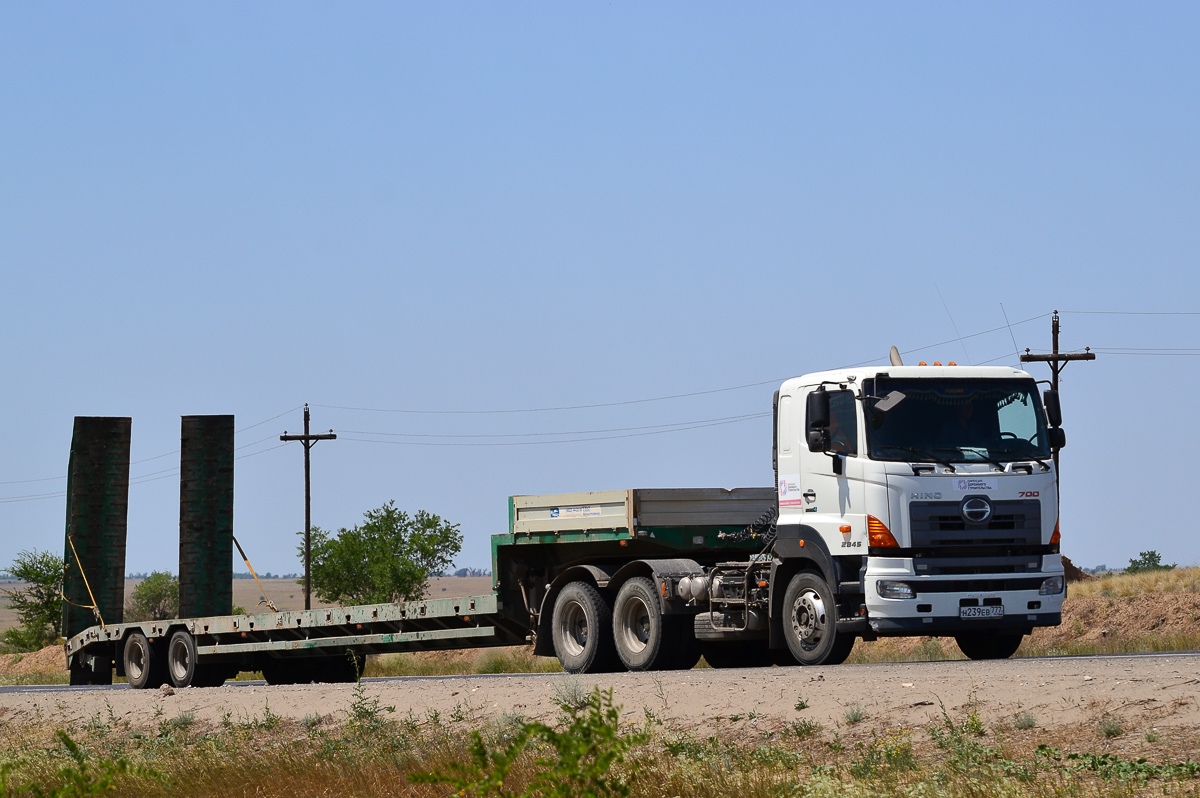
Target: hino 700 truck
{"points": [[908, 500]]}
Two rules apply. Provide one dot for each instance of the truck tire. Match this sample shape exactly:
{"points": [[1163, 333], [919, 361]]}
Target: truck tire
{"points": [[684, 651], [810, 622], [748, 653], [988, 645], [639, 628], [145, 663], [581, 629]]}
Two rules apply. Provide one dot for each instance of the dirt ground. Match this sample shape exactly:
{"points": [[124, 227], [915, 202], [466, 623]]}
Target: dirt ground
{"points": [[1160, 692]]}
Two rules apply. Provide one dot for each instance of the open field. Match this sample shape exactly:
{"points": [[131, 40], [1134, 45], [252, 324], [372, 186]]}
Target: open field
{"points": [[286, 594]]}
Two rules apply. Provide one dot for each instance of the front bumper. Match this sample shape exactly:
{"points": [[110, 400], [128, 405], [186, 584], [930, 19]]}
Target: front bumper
{"points": [[936, 607]]}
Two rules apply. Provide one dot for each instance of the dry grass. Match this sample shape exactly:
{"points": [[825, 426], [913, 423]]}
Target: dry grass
{"points": [[1176, 580], [363, 750], [514, 659]]}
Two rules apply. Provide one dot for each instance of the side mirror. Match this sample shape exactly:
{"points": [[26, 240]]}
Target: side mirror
{"points": [[817, 416], [1053, 408], [1058, 438]]}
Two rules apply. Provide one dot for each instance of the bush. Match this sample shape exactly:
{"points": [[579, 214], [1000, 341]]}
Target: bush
{"points": [[1148, 561], [39, 604], [389, 557], [156, 598]]}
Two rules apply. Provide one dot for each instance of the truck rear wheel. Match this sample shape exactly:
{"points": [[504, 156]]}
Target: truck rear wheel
{"points": [[988, 645], [639, 628], [810, 622], [581, 628], [145, 663]]}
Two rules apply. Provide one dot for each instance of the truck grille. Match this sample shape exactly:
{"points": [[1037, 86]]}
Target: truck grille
{"points": [[944, 543]]}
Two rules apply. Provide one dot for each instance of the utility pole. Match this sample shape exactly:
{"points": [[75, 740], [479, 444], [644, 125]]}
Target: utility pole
{"points": [[309, 441], [1057, 363]]}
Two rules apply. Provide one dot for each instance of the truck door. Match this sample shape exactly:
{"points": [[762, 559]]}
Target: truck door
{"points": [[831, 483]]}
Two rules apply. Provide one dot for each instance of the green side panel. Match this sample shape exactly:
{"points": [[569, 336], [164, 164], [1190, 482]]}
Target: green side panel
{"points": [[97, 512], [206, 516]]}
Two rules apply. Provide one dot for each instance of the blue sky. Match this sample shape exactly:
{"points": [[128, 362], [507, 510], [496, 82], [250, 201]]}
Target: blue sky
{"points": [[238, 209]]}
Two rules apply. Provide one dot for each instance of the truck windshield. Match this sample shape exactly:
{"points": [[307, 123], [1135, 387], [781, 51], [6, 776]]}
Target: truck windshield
{"points": [[957, 420]]}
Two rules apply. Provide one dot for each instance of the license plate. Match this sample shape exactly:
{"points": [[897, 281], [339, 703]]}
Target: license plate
{"points": [[996, 611]]}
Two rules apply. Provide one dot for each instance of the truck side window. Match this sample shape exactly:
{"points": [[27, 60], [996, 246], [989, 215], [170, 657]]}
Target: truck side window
{"points": [[843, 423]]}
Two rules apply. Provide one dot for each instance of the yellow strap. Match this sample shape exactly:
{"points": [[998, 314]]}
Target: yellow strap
{"points": [[93, 608], [263, 592]]}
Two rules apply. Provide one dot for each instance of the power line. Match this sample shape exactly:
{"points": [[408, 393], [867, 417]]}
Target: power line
{"points": [[552, 434], [138, 479], [1133, 312], [564, 440], [551, 409]]}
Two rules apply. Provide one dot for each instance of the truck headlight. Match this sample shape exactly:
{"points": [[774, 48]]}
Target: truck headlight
{"points": [[894, 590], [1051, 587]]}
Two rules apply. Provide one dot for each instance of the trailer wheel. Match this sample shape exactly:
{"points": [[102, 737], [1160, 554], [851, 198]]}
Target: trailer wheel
{"points": [[101, 673], [282, 671], [810, 622], [987, 645], [182, 666], [582, 629], [639, 628], [145, 663]]}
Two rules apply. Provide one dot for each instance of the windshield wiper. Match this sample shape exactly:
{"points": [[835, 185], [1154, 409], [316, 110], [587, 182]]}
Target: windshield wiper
{"points": [[1019, 455], [931, 457], [977, 451]]}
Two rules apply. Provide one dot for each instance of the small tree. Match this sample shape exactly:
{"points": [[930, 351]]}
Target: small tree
{"points": [[156, 598], [389, 557], [39, 604], [1148, 561]]}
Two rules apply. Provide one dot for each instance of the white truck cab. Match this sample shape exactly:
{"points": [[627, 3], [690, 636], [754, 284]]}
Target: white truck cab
{"points": [[932, 491]]}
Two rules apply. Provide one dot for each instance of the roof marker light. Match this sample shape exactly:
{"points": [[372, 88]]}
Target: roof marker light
{"points": [[922, 363]]}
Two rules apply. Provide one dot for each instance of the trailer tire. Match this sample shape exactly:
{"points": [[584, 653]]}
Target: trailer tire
{"points": [[640, 630], [182, 665], [581, 628], [145, 663], [988, 645], [340, 668], [810, 622], [282, 671], [81, 674]]}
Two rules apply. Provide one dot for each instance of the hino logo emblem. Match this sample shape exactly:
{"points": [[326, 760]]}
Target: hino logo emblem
{"points": [[976, 510]]}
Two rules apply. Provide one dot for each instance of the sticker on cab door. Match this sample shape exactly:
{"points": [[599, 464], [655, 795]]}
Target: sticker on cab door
{"points": [[789, 493], [971, 484]]}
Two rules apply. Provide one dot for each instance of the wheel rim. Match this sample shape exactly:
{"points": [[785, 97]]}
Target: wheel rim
{"points": [[573, 629], [135, 667], [809, 621], [180, 659], [633, 627]]}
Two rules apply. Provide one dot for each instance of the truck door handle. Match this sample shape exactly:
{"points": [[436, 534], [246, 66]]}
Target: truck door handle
{"points": [[810, 495]]}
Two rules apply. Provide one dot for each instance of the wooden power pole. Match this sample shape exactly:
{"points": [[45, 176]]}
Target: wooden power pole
{"points": [[310, 441], [1057, 362]]}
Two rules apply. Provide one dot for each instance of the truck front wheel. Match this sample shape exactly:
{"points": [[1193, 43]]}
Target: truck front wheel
{"points": [[988, 645], [810, 622], [582, 629]]}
